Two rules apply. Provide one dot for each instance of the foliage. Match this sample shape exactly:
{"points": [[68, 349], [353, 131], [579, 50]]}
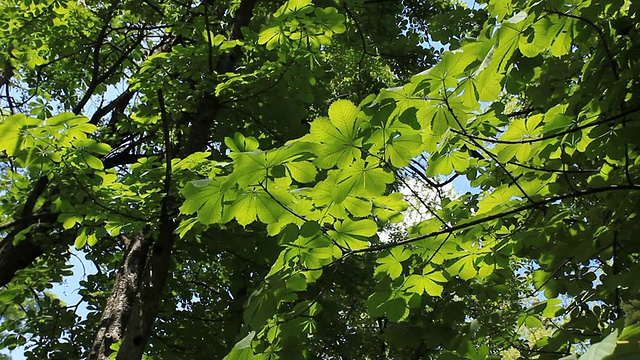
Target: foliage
{"points": [[163, 84], [538, 113], [212, 210]]}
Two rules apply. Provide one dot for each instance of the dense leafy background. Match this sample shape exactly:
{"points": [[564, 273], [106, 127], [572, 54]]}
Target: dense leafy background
{"points": [[306, 218]]}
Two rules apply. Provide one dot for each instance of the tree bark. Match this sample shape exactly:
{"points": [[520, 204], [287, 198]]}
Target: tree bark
{"points": [[202, 121], [14, 257], [133, 304], [139, 326], [119, 304], [145, 308]]}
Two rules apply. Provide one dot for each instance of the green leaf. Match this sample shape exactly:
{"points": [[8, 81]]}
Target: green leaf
{"points": [[464, 267], [601, 350], [387, 303], [389, 208], [488, 86], [257, 202], [68, 118], [8, 296], [497, 199], [242, 349], [330, 20], [239, 143], [446, 163], [272, 37], [205, 197], [92, 146], [69, 220], [13, 130], [428, 282], [501, 8], [353, 234], [296, 282], [245, 208], [631, 332], [436, 116], [342, 115], [554, 32], [552, 308], [113, 229], [556, 119], [292, 6], [250, 168], [403, 148], [92, 239], [362, 177], [81, 238], [391, 264], [404, 98], [338, 135], [302, 171], [92, 161], [364, 228], [450, 68], [337, 148], [507, 42], [356, 206]]}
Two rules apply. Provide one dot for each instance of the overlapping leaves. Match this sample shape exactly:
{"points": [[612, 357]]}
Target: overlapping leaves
{"points": [[456, 116]]}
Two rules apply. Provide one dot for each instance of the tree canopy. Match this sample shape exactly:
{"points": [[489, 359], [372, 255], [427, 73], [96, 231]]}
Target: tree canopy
{"points": [[266, 180]]}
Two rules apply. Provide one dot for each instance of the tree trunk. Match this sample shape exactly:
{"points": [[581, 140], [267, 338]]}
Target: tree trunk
{"points": [[14, 257], [147, 302], [140, 312], [119, 304]]}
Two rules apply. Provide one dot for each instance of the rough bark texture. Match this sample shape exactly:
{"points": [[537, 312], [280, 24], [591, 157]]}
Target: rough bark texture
{"points": [[119, 304], [145, 309], [147, 302], [139, 327], [146, 306], [6, 73]]}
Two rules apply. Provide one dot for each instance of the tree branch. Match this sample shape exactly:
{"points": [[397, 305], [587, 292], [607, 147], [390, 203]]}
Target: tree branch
{"points": [[471, 223]]}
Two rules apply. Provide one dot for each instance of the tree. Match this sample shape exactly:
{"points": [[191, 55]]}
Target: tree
{"points": [[539, 114], [536, 110], [163, 84]]}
